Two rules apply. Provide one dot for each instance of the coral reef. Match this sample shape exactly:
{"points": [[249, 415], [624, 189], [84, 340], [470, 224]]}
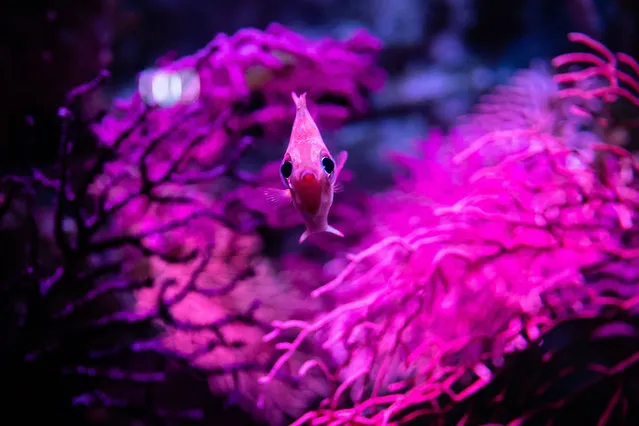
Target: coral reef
{"points": [[148, 281], [533, 227], [146, 274]]}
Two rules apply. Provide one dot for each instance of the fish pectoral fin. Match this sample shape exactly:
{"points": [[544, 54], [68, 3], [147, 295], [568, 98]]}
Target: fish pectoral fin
{"points": [[338, 187], [340, 161], [333, 231], [278, 197]]}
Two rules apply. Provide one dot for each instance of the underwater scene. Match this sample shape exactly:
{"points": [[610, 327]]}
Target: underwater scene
{"points": [[319, 212]]}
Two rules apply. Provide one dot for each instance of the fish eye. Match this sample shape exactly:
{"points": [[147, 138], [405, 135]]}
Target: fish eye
{"points": [[286, 169], [328, 165]]}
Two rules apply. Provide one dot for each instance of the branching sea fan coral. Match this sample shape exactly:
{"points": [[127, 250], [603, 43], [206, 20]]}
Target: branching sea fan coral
{"points": [[145, 273], [536, 229], [173, 181]]}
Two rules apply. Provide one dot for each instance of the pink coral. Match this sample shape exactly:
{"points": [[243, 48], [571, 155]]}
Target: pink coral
{"points": [[167, 183], [480, 263], [264, 64]]}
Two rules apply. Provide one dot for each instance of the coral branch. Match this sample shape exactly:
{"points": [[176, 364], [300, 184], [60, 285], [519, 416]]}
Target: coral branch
{"points": [[508, 245], [145, 273], [606, 67]]}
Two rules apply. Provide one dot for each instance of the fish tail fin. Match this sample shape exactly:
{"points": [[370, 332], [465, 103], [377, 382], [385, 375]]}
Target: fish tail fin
{"points": [[329, 229], [300, 101], [333, 231], [304, 236]]}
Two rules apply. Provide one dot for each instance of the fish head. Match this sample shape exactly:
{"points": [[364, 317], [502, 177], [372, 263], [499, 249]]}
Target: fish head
{"points": [[308, 170]]}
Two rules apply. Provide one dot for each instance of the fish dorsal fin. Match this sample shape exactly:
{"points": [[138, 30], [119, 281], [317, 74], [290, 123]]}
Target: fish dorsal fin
{"points": [[304, 127]]}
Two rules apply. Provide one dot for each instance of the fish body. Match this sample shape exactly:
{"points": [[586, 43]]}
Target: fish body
{"points": [[309, 173]]}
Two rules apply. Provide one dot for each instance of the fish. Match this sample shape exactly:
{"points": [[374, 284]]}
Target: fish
{"points": [[309, 174]]}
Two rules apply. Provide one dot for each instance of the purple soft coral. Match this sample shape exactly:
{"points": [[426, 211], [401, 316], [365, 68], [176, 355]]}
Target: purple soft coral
{"points": [[495, 260]]}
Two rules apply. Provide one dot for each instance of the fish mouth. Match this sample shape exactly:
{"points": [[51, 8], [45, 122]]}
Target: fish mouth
{"points": [[308, 177], [308, 190]]}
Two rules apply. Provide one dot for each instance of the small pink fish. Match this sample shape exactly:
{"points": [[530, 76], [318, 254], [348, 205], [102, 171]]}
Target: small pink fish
{"points": [[309, 173]]}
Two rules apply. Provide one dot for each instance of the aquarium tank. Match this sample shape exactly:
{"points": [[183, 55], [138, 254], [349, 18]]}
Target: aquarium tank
{"points": [[319, 212]]}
